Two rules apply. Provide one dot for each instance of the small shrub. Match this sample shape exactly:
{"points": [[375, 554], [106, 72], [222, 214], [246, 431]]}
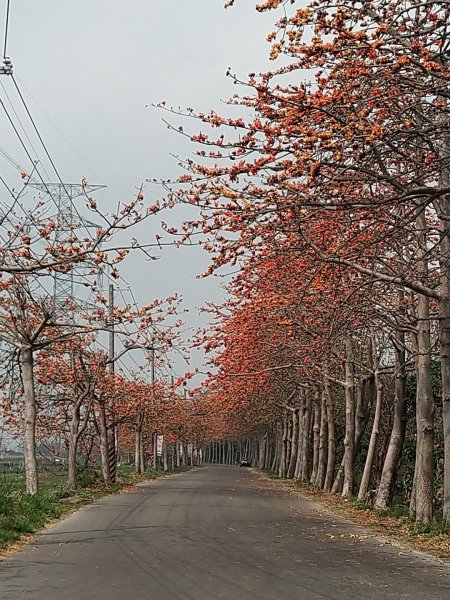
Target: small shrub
{"points": [[87, 476], [396, 511]]}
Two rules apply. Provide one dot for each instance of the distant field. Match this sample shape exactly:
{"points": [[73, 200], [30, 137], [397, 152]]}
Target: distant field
{"points": [[7, 464], [15, 478]]}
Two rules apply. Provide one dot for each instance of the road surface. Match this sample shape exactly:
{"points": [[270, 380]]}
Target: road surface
{"points": [[215, 533]]}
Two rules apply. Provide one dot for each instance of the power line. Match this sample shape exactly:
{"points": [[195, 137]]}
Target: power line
{"points": [[53, 124], [63, 286], [6, 28], [9, 159], [45, 185], [8, 188], [32, 160], [7, 69], [16, 131], [23, 128], [44, 145]]}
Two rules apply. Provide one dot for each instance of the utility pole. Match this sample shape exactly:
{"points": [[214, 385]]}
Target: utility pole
{"points": [[152, 382], [6, 67], [112, 441], [111, 351]]}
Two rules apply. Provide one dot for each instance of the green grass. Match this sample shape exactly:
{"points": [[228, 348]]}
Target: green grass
{"points": [[437, 527], [22, 514], [397, 510]]}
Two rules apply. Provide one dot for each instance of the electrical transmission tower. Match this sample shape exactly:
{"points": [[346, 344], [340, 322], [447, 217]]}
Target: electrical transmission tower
{"points": [[67, 219]]}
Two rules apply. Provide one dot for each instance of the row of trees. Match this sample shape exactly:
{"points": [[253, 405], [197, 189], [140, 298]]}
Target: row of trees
{"points": [[333, 200], [81, 402], [59, 385]]}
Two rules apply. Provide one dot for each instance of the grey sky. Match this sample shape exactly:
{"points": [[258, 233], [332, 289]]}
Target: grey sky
{"points": [[93, 65]]}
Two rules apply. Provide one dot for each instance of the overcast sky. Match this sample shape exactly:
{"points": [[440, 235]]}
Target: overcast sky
{"points": [[89, 68]]}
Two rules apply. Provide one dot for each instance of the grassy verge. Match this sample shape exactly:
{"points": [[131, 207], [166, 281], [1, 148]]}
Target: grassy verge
{"points": [[394, 524], [22, 514]]}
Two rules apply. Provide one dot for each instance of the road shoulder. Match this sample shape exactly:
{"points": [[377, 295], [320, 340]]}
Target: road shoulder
{"points": [[396, 531]]}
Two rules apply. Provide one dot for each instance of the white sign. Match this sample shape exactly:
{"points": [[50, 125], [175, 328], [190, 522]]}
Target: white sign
{"points": [[159, 444]]}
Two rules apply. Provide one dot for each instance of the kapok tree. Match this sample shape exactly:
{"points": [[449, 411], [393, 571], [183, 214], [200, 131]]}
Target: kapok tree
{"points": [[363, 138], [67, 376], [28, 324]]}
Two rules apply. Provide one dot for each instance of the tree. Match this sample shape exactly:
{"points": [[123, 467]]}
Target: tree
{"points": [[343, 163], [34, 249]]}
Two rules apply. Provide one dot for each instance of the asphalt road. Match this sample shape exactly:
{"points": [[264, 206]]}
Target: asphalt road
{"points": [[215, 533]]}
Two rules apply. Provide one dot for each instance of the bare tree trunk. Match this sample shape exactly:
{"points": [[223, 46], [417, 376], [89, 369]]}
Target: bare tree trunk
{"points": [[316, 436], [142, 450], [395, 448], [294, 445], [276, 456], [73, 447], [415, 349], [367, 474], [138, 442], [444, 335], [137, 448], [306, 441], [247, 449], [364, 401], [102, 424], [319, 481], [269, 451], [282, 465], [177, 446], [165, 462], [290, 429], [349, 441], [444, 338], [442, 206], [423, 500], [152, 437], [301, 435], [331, 455], [31, 473], [262, 449]]}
